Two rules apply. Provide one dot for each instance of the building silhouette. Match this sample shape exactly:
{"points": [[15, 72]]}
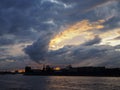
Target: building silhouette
{"points": [[73, 71]]}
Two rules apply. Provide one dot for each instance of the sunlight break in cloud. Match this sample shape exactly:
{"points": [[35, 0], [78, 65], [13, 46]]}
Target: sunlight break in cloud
{"points": [[73, 31]]}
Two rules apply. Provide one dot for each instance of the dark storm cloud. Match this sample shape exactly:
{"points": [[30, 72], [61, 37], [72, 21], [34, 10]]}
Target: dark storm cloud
{"points": [[37, 51], [19, 17]]}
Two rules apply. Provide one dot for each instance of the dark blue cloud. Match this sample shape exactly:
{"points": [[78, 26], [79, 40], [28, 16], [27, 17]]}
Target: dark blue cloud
{"points": [[38, 50], [4, 41]]}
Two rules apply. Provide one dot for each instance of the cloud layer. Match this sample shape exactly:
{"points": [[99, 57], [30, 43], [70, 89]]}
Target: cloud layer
{"points": [[28, 26]]}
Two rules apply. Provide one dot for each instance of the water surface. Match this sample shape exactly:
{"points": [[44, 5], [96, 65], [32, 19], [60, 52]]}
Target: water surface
{"points": [[20, 82]]}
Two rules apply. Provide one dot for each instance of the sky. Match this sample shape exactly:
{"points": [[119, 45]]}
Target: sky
{"points": [[59, 32]]}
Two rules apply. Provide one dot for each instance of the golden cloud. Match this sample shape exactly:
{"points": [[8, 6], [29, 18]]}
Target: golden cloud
{"points": [[108, 37], [69, 34]]}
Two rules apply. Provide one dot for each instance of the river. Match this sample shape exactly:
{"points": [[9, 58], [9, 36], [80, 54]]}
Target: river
{"points": [[20, 82]]}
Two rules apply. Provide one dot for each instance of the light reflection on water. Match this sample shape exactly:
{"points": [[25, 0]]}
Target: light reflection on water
{"points": [[19, 82]]}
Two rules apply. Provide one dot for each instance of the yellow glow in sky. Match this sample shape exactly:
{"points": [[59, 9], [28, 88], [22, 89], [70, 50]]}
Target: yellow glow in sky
{"points": [[82, 32], [78, 30], [108, 37], [57, 68]]}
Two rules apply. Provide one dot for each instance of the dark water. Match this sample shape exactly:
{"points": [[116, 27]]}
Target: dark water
{"points": [[19, 82]]}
